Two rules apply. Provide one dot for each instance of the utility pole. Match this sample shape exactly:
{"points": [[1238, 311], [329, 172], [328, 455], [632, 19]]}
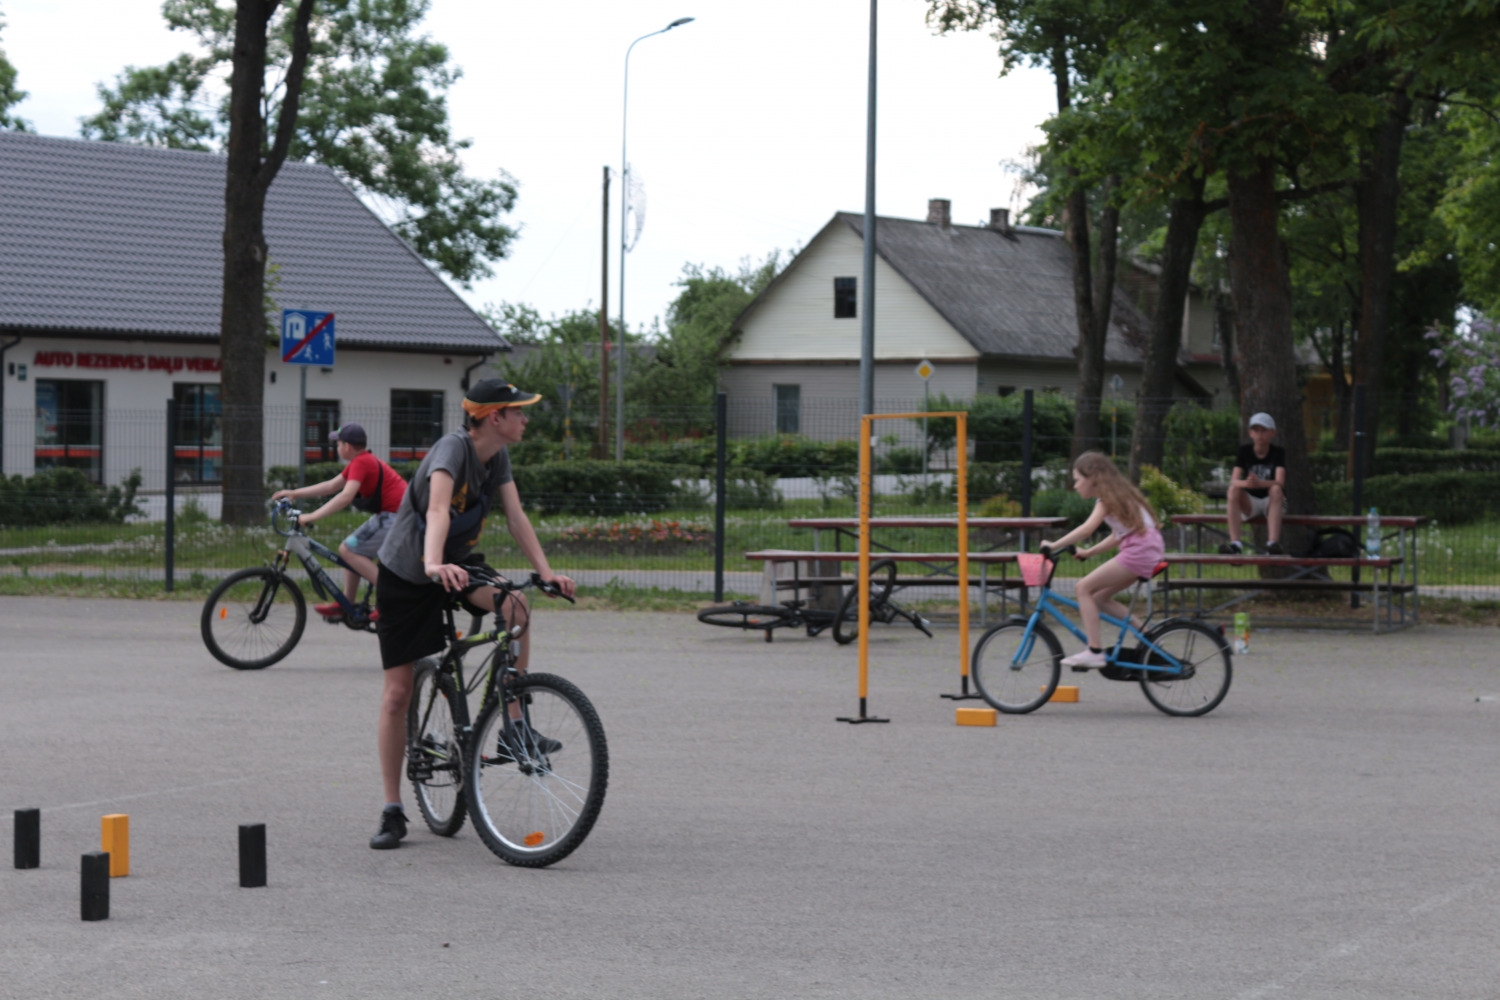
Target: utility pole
{"points": [[601, 449], [867, 293]]}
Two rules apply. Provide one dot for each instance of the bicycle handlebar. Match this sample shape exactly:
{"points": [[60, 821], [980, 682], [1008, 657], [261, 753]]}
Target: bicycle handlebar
{"points": [[481, 577], [1055, 554], [283, 508]]}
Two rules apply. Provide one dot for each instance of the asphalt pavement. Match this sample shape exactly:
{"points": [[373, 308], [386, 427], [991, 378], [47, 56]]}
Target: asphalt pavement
{"points": [[1329, 831]]}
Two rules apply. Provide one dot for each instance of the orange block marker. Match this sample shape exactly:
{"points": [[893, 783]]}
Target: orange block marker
{"points": [[976, 716], [1065, 692], [115, 841]]}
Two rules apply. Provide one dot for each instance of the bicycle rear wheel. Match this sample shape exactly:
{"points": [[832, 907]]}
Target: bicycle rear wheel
{"points": [[434, 751], [1206, 668], [750, 616], [846, 620], [535, 788], [1016, 674], [253, 619]]}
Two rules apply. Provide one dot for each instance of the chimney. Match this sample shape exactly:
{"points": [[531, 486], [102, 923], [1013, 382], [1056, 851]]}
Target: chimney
{"points": [[938, 212], [1000, 220]]}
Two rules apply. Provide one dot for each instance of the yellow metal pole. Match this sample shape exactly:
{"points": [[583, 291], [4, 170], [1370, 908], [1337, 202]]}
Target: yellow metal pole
{"points": [[963, 547]]}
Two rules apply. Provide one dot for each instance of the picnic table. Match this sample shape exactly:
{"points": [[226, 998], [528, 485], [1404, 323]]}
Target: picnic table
{"points": [[1308, 574], [818, 568]]}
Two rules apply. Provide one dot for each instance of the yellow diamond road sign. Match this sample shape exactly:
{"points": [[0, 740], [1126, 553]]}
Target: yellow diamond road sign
{"points": [[925, 370]]}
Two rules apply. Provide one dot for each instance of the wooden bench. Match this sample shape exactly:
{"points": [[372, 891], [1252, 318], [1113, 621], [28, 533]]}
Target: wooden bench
{"points": [[1388, 594], [942, 564]]}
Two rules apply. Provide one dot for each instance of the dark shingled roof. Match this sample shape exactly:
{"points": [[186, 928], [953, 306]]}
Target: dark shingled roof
{"points": [[1006, 293], [108, 239]]}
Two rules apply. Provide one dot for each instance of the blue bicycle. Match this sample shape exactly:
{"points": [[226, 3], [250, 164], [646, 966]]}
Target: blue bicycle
{"points": [[1183, 666]]}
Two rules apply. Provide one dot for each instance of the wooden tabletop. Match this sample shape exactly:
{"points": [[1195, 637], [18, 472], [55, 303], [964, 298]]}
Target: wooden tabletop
{"points": [[1307, 520], [1249, 559], [928, 522], [789, 555]]}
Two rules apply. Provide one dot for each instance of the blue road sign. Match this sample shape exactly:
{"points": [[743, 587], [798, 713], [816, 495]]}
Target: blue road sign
{"points": [[307, 338]]}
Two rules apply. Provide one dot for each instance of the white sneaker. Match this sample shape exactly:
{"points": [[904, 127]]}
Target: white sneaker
{"points": [[1085, 659]]}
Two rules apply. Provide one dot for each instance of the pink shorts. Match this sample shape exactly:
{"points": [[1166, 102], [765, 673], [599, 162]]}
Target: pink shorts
{"points": [[1141, 551]]}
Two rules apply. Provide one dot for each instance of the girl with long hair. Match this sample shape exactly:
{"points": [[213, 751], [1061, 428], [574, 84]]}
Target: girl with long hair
{"points": [[1133, 530]]}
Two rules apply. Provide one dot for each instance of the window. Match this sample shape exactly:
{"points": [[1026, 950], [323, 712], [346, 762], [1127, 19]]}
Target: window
{"points": [[416, 422], [321, 419], [70, 426], [788, 409], [843, 297], [198, 442]]}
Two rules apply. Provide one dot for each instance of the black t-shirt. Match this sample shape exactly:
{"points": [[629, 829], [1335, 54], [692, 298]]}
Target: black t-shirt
{"points": [[1265, 468]]}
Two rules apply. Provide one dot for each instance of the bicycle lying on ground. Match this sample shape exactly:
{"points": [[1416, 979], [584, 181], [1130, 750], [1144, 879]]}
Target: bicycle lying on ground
{"points": [[531, 770], [1184, 667], [256, 616], [796, 614]]}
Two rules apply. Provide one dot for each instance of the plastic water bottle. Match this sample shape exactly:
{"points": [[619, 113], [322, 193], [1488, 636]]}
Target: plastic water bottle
{"points": [[1242, 632], [1372, 535]]}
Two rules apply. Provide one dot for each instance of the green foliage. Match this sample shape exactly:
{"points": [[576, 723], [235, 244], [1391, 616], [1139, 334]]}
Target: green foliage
{"points": [[900, 461], [592, 487], [373, 107], [795, 455], [1448, 497], [750, 489], [1062, 503], [999, 505], [1198, 441], [995, 426], [63, 496], [10, 95], [1167, 498]]}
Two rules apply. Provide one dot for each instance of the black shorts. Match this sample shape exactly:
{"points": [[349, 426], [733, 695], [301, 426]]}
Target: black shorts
{"points": [[412, 622]]}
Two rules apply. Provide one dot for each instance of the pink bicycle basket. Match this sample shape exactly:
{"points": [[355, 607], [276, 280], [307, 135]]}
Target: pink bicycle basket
{"points": [[1033, 568]]}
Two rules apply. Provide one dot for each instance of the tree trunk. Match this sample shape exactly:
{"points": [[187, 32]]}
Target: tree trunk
{"points": [[1229, 356], [1148, 445], [1375, 195], [1087, 420], [242, 317], [1263, 311]]}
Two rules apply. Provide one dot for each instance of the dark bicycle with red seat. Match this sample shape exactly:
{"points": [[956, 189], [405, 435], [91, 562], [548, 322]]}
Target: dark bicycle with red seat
{"points": [[1183, 666]]}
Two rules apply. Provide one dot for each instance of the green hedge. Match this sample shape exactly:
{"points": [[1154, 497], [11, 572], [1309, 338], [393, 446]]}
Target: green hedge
{"points": [[1448, 497], [61, 496], [591, 487]]}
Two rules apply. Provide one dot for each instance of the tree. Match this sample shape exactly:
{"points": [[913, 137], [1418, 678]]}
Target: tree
{"points": [[10, 96], [373, 108]]}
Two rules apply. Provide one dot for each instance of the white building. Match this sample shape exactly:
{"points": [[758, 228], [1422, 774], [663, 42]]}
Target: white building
{"points": [[990, 306], [110, 274]]}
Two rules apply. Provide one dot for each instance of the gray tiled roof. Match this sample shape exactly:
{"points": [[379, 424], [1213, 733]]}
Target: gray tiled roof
{"points": [[1007, 294], [110, 239]]}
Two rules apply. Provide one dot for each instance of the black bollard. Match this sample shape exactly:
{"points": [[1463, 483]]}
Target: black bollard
{"points": [[252, 855], [28, 838], [96, 885]]}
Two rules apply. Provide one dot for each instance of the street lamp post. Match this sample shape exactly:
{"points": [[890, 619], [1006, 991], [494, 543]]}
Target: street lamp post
{"points": [[624, 206]]}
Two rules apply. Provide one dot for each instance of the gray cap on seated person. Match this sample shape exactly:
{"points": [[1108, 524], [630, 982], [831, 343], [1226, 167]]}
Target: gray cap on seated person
{"points": [[1263, 420]]}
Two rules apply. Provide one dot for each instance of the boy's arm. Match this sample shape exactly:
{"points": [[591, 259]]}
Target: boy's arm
{"points": [[345, 498], [525, 536], [322, 489]]}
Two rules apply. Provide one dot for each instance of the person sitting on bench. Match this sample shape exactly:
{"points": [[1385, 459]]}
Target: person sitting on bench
{"points": [[1258, 486]]}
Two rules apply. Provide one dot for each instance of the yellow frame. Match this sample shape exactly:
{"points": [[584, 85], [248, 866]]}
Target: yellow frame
{"points": [[866, 432]]}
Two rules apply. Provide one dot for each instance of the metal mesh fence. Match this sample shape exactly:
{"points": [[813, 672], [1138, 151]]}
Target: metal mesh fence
{"points": [[67, 507]]}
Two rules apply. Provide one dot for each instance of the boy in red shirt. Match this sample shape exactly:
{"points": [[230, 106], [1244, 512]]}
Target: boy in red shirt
{"points": [[369, 485]]}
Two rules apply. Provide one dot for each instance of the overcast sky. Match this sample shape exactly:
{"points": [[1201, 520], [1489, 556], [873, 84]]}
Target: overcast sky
{"points": [[747, 126]]}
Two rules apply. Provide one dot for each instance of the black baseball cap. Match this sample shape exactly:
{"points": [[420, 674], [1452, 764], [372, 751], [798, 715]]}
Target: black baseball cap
{"points": [[350, 434], [498, 392]]}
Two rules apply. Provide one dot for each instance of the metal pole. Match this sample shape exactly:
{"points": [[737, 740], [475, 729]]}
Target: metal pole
{"points": [[171, 527], [1026, 404], [602, 447], [926, 407], [721, 447], [302, 431], [1359, 484], [867, 293]]}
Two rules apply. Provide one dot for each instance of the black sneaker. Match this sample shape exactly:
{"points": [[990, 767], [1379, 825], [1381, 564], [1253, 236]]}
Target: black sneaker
{"points": [[392, 829], [535, 745], [1231, 549], [1275, 549]]}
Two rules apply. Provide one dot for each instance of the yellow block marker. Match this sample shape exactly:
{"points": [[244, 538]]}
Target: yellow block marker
{"points": [[1065, 692], [115, 840], [976, 716]]}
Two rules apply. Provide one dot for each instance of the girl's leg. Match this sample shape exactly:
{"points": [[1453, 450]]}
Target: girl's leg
{"points": [[1096, 593]]}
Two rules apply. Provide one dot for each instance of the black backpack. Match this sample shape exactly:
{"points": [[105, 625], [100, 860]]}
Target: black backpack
{"points": [[1332, 543]]}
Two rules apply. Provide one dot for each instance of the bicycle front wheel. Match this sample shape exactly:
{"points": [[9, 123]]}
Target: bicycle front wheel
{"points": [[1014, 672], [535, 786], [253, 619], [1206, 668], [434, 750]]}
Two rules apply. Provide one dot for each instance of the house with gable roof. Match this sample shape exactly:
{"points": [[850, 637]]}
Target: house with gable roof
{"points": [[111, 264], [991, 306]]}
